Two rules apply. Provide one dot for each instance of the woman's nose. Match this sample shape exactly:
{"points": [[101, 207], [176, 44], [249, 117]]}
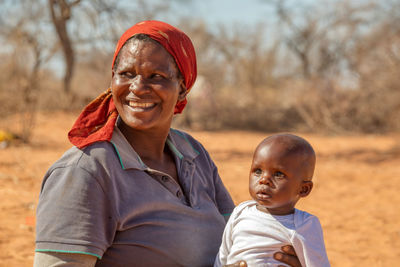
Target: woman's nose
{"points": [[138, 85]]}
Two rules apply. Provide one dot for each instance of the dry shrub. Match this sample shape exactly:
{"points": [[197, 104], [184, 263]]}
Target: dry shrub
{"points": [[263, 109], [19, 93], [295, 81]]}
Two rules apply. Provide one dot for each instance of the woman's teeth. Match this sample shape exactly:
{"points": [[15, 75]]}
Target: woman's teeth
{"points": [[134, 104]]}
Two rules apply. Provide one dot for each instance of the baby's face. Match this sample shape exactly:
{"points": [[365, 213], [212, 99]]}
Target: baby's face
{"points": [[276, 176]]}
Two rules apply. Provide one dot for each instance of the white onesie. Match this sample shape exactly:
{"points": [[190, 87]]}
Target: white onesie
{"points": [[254, 236]]}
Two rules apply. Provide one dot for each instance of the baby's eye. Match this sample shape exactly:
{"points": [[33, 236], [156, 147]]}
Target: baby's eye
{"points": [[257, 172], [279, 175]]}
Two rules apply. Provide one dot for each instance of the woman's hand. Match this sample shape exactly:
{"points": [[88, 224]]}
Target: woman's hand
{"points": [[237, 264], [288, 256]]}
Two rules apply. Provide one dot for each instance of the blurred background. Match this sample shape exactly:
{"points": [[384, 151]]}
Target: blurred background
{"points": [[329, 66], [328, 70]]}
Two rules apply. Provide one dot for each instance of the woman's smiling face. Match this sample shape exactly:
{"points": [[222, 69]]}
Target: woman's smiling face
{"points": [[146, 85]]}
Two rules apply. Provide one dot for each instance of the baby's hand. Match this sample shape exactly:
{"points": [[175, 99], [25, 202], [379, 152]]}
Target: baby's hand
{"points": [[237, 264]]}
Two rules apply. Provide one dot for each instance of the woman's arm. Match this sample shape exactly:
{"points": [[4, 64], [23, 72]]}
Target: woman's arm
{"points": [[72, 207]]}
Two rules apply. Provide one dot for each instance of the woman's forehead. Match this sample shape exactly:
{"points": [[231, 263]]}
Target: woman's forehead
{"points": [[148, 52], [134, 47]]}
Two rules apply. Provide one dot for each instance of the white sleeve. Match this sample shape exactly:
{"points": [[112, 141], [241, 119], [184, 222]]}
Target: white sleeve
{"points": [[226, 243], [308, 242], [55, 259]]}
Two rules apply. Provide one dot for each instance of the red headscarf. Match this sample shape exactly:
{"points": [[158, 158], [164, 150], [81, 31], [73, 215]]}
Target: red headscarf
{"points": [[97, 120]]}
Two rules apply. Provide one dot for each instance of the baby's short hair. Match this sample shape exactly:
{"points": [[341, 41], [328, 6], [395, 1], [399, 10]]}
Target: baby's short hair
{"points": [[297, 145]]}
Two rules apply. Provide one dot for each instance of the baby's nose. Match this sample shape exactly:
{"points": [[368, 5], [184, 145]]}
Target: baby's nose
{"points": [[265, 179]]}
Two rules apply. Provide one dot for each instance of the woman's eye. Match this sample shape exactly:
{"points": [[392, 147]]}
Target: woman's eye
{"points": [[279, 175], [156, 76]]}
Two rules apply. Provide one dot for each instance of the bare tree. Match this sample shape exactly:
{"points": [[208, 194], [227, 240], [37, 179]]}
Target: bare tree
{"points": [[326, 67], [30, 52], [30, 44], [321, 39], [83, 29], [60, 11]]}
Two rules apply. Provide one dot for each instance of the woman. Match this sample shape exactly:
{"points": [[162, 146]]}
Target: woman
{"points": [[132, 191]]}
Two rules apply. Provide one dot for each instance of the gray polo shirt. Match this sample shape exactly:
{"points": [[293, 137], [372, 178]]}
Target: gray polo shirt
{"points": [[104, 201]]}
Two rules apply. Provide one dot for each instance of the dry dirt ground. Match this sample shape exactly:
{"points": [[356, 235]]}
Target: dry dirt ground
{"points": [[356, 192]]}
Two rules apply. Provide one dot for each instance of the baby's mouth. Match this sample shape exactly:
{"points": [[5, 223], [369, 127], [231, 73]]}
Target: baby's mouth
{"points": [[263, 194]]}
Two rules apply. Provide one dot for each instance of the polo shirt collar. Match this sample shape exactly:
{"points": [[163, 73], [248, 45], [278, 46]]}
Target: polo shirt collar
{"points": [[129, 159], [180, 145]]}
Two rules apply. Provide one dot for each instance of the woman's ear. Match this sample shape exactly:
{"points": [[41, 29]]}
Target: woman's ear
{"points": [[112, 79], [305, 188], [183, 91]]}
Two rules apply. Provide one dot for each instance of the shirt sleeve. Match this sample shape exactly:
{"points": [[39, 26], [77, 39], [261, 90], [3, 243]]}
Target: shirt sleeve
{"points": [[73, 214], [54, 259], [222, 197], [226, 243], [308, 242]]}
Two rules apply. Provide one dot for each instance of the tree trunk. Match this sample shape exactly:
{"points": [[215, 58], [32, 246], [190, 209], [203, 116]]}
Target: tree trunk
{"points": [[60, 13]]}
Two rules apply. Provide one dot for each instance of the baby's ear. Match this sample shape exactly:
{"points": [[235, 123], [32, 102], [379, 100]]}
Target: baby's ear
{"points": [[305, 188]]}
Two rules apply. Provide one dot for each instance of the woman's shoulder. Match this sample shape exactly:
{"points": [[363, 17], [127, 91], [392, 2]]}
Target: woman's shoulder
{"points": [[87, 158], [182, 134], [182, 138]]}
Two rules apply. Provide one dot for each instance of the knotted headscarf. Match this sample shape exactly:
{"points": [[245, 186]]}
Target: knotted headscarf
{"points": [[97, 120]]}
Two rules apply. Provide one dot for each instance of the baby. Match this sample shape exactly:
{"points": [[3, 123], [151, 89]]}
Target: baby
{"points": [[280, 174]]}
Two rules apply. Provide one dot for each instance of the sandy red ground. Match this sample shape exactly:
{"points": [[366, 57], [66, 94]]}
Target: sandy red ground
{"points": [[356, 191]]}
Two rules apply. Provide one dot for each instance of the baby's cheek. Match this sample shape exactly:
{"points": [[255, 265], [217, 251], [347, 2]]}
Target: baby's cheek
{"points": [[252, 183]]}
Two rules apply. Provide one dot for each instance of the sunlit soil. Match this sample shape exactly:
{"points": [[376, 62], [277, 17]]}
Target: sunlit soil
{"points": [[355, 195]]}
